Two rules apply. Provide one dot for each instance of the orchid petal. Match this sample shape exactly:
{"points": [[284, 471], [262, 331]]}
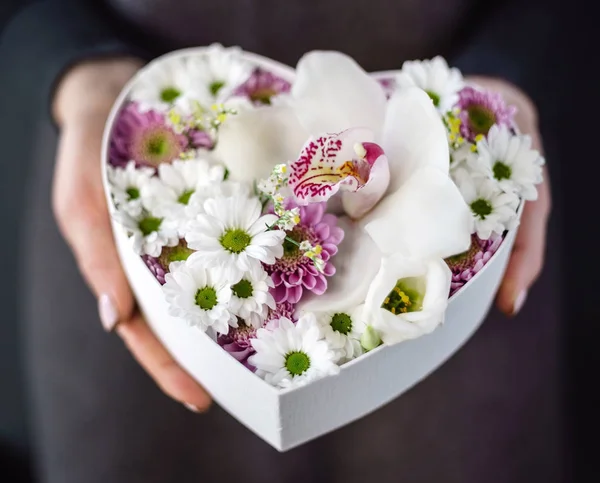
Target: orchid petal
{"points": [[338, 162], [252, 142], [434, 275], [356, 264], [357, 204], [413, 136], [426, 218], [332, 93]]}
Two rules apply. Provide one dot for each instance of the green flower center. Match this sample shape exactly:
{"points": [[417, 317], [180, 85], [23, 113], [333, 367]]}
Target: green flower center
{"points": [[169, 94], [206, 298], [215, 87], [481, 119], [341, 323], [178, 253], [235, 241], [157, 146], [502, 171], [481, 208], [434, 97], [297, 363], [149, 225], [290, 249], [406, 296], [243, 289], [263, 95], [463, 260], [184, 199], [132, 193]]}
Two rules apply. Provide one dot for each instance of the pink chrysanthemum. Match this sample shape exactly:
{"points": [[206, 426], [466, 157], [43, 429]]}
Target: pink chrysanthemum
{"points": [[262, 86], [467, 264], [238, 340], [293, 273], [389, 86], [200, 139], [159, 266], [144, 137], [480, 110]]}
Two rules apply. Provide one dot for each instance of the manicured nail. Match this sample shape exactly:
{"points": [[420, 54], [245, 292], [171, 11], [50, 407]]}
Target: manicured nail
{"points": [[108, 312], [191, 407], [519, 302]]}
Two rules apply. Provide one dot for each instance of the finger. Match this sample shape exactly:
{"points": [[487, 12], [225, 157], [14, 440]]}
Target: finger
{"points": [[165, 371], [82, 213], [527, 258]]}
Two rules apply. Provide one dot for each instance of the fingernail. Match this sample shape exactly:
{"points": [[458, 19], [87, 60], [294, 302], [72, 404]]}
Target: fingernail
{"points": [[519, 302], [191, 407], [108, 312]]}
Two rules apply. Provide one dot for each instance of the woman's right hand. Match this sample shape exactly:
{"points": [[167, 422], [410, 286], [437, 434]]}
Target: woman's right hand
{"points": [[81, 106]]}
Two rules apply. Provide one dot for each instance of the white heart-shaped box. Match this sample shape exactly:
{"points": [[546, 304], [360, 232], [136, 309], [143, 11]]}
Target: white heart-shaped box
{"points": [[288, 418]]}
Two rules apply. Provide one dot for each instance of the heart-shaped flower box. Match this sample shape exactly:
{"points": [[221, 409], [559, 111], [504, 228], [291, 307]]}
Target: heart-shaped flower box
{"points": [[288, 418]]}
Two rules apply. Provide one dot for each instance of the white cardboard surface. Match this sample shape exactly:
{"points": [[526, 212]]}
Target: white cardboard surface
{"points": [[286, 419]]}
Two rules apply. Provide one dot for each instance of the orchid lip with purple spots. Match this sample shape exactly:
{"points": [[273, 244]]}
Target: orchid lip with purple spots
{"points": [[293, 273]]}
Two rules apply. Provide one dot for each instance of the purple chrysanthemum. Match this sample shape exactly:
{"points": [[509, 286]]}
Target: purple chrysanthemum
{"points": [[480, 110], [389, 85], [238, 340], [200, 139], [159, 266], [294, 273], [467, 264], [262, 86], [144, 137]]}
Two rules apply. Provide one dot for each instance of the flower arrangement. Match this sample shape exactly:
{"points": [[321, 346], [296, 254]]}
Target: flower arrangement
{"points": [[302, 221]]}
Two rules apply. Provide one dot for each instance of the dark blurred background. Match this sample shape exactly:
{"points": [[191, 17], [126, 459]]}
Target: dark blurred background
{"points": [[568, 97]]}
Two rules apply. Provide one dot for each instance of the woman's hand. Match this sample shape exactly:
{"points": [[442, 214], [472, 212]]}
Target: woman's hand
{"points": [[527, 257], [81, 106]]}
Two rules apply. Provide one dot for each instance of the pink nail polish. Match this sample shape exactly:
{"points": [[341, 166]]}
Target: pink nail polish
{"points": [[109, 316], [519, 302]]}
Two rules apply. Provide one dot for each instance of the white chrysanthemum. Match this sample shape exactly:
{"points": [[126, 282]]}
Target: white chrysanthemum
{"points": [[167, 83], [126, 186], [170, 193], [219, 71], [342, 330], [233, 235], [250, 299], [200, 296], [408, 298], [441, 82], [493, 210], [148, 231], [510, 160], [293, 354]]}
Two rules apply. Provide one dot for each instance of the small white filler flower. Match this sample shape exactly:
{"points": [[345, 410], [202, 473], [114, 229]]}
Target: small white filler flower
{"points": [[293, 354]]}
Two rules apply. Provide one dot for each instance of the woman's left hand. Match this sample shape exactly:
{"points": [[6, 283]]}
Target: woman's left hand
{"points": [[527, 258]]}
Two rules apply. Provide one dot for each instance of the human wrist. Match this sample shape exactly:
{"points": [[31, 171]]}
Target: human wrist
{"points": [[90, 88]]}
